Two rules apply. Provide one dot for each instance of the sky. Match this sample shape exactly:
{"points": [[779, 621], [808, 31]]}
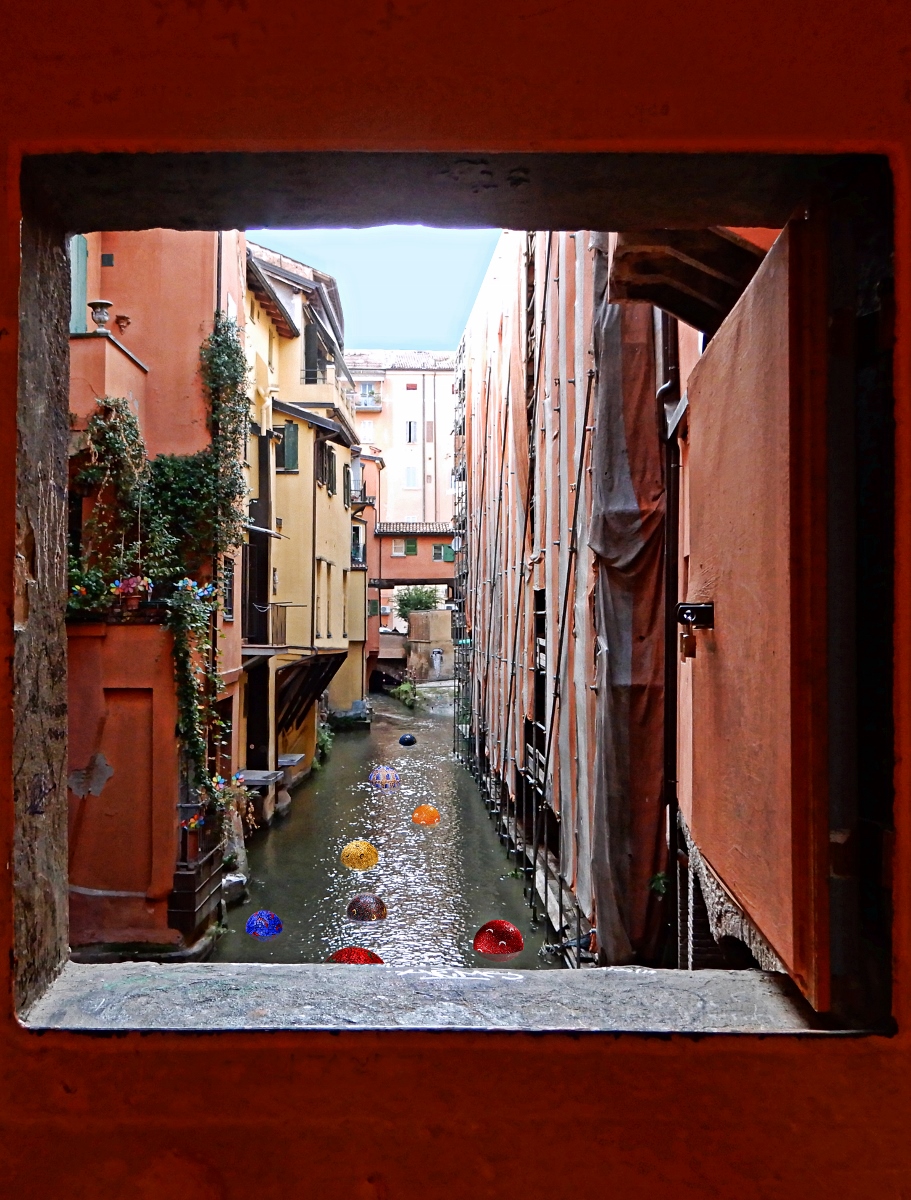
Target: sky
{"points": [[403, 287]]}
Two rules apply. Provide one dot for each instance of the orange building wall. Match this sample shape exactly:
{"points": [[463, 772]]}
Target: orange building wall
{"points": [[444, 1115], [122, 705], [164, 281], [404, 568]]}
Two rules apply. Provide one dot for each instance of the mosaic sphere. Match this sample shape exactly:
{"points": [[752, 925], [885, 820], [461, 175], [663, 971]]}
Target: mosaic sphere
{"points": [[355, 956], [359, 855], [425, 814], [385, 779], [366, 907], [498, 939], [408, 739], [264, 925]]}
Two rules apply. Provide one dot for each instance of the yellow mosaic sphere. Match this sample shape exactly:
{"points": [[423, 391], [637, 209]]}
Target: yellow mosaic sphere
{"points": [[360, 855]]}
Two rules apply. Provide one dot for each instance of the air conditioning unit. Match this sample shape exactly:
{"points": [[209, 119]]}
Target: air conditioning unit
{"points": [[385, 610]]}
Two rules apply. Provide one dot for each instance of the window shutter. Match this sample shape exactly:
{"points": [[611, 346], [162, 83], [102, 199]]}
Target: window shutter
{"points": [[411, 545], [289, 447], [448, 554], [373, 608], [79, 260], [332, 484], [346, 485]]}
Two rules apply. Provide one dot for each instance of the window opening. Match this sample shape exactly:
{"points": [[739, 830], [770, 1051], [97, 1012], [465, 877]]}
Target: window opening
{"points": [[527, 801]]}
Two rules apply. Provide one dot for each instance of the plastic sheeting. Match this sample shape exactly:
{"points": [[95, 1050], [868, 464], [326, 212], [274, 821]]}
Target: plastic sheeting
{"points": [[627, 538]]}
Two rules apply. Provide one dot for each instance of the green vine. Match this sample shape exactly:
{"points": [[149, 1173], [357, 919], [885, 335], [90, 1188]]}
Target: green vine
{"points": [[167, 520]]}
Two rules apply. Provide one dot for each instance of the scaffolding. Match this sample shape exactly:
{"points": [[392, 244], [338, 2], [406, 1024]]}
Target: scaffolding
{"points": [[461, 634]]}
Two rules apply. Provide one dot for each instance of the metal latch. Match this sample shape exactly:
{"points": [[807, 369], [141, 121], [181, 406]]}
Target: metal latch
{"points": [[693, 616]]}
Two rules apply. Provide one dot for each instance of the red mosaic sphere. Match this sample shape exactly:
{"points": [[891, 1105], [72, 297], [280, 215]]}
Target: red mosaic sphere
{"points": [[355, 956], [498, 939], [366, 907]]}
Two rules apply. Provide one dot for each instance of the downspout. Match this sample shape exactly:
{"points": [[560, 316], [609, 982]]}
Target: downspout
{"points": [[436, 442], [218, 273], [313, 552], [668, 397], [423, 446]]}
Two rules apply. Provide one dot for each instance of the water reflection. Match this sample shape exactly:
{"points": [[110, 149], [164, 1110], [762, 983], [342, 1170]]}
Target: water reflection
{"points": [[440, 882]]}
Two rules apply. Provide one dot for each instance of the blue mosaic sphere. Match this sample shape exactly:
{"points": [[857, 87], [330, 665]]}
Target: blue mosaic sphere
{"points": [[384, 779], [408, 739], [264, 925]]}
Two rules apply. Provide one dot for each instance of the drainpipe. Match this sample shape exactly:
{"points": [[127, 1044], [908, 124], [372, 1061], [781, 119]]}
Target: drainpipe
{"points": [[218, 274], [668, 397], [313, 552], [436, 442], [423, 446]]}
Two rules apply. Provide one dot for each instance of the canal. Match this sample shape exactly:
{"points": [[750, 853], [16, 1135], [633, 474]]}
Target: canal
{"points": [[440, 883]]}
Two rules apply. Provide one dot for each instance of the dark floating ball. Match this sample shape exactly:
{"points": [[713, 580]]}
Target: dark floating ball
{"points": [[408, 739], [499, 939], [367, 907], [264, 925], [355, 956]]}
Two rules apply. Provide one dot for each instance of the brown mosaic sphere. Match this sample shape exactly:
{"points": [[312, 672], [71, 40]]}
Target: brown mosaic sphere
{"points": [[359, 855], [366, 907]]}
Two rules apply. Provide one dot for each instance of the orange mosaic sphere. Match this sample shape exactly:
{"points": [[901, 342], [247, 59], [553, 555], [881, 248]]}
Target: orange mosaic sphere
{"points": [[425, 814]]}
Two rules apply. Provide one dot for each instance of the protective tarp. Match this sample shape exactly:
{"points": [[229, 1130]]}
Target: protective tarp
{"points": [[627, 537]]}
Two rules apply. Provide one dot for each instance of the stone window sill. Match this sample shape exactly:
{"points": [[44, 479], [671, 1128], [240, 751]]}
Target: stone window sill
{"points": [[210, 997]]}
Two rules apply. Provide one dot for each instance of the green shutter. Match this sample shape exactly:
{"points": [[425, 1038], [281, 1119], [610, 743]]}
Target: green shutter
{"points": [[373, 608], [448, 554], [79, 262], [289, 446], [411, 545]]}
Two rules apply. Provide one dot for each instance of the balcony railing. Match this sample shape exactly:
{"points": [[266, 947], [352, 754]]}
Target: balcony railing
{"points": [[359, 558], [360, 498], [266, 625]]}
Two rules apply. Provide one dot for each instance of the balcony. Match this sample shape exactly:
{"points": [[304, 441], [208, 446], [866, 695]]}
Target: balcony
{"points": [[358, 558], [371, 403], [360, 499], [264, 626]]}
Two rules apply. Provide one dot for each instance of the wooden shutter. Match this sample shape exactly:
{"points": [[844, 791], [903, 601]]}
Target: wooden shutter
{"points": [[753, 701], [411, 545]]}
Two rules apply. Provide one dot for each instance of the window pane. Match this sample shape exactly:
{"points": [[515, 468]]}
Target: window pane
{"points": [[437, 553], [398, 547], [289, 446]]}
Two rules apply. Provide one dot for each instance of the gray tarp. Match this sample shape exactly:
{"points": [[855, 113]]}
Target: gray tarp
{"points": [[627, 537]]}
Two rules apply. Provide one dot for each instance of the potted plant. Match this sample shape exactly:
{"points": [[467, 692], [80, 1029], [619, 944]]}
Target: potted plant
{"points": [[130, 590]]}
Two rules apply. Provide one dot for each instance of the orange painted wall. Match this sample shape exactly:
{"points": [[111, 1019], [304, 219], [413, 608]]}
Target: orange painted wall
{"points": [[164, 281], [123, 705], [447, 1115], [416, 566]]}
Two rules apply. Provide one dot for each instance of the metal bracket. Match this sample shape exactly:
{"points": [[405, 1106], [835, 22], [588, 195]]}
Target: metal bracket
{"points": [[697, 616]]}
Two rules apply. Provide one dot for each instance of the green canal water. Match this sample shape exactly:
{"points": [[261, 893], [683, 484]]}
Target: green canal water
{"points": [[440, 883]]}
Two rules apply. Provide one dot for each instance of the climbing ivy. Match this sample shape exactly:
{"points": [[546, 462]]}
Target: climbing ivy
{"points": [[167, 520]]}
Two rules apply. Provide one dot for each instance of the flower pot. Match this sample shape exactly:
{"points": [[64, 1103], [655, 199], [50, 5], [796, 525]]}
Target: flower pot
{"points": [[131, 603]]}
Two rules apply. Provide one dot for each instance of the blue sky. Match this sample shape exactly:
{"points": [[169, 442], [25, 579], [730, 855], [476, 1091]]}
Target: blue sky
{"points": [[403, 287]]}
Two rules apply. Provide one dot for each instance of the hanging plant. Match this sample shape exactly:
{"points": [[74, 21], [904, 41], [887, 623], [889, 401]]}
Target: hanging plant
{"points": [[166, 520]]}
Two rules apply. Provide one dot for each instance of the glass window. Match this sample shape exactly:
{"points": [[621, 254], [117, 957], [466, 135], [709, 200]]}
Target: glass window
{"points": [[346, 485], [411, 431], [411, 477], [398, 547], [331, 480], [227, 588], [286, 450], [437, 553]]}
